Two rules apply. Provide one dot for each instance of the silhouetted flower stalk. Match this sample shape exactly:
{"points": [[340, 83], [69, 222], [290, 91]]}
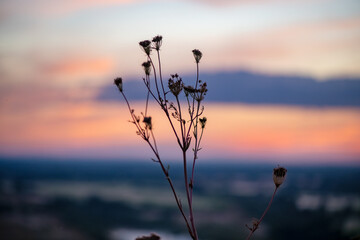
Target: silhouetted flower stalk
{"points": [[173, 111], [279, 175], [191, 128]]}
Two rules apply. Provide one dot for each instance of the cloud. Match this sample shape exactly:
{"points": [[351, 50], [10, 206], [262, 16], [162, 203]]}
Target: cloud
{"points": [[245, 87], [66, 69], [230, 3], [76, 67], [10, 8], [322, 49]]}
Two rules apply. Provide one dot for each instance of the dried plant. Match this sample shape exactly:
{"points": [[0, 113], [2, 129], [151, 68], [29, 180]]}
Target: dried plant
{"points": [[187, 124], [279, 175], [190, 122]]}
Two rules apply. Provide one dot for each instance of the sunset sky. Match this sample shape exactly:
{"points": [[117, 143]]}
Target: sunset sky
{"points": [[57, 56]]}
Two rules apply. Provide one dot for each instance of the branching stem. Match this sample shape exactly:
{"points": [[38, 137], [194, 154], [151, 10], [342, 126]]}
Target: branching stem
{"points": [[256, 225]]}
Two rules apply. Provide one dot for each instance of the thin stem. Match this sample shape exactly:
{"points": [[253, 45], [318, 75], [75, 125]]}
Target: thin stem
{"points": [[132, 116], [193, 104], [181, 122], [196, 84], [152, 94], [256, 226], [188, 198], [156, 84], [166, 173], [148, 94], [173, 128], [197, 147], [161, 81], [152, 134]]}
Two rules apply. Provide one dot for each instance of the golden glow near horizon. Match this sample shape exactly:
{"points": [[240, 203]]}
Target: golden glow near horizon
{"points": [[234, 131]]}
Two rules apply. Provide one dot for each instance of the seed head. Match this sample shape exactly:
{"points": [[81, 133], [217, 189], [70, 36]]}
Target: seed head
{"points": [[189, 89], [203, 88], [279, 175], [147, 121], [197, 55], [175, 84], [203, 122], [157, 40], [146, 46], [118, 83], [147, 67]]}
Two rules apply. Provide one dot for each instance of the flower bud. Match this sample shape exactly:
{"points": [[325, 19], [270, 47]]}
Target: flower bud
{"points": [[146, 45], [279, 175], [203, 122], [197, 55], [118, 83], [157, 40], [147, 67]]}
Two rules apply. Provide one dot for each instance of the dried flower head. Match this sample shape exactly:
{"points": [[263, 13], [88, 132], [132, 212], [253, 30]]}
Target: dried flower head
{"points": [[203, 88], [189, 89], [147, 121], [146, 46], [197, 55], [118, 83], [279, 175], [203, 122], [153, 236], [147, 67], [175, 84], [157, 40]]}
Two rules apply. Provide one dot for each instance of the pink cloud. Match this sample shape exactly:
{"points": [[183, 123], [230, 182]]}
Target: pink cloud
{"points": [[75, 66], [321, 49]]}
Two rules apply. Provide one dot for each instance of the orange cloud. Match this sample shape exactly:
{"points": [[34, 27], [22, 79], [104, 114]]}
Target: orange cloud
{"points": [[233, 131], [283, 132], [78, 67]]}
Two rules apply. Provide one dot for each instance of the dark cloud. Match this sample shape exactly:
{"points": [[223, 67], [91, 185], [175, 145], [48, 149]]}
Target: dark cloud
{"points": [[244, 87]]}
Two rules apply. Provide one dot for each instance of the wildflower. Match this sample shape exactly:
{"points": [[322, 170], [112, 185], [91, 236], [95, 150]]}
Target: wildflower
{"points": [[197, 55], [158, 41], [147, 67], [279, 175], [203, 122], [146, 46], [118, 83], [147, 121]]}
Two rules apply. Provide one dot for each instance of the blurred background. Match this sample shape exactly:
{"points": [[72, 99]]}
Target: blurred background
{"points": [[284, 88]]}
